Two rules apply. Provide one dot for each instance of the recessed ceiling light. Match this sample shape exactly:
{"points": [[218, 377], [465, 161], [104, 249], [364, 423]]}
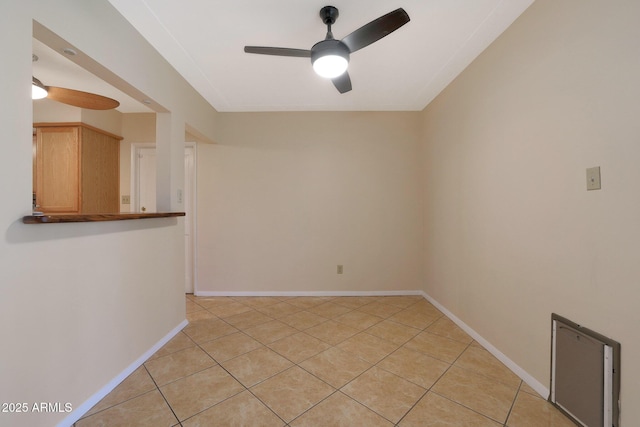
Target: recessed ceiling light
{"points": [[69, 51]]}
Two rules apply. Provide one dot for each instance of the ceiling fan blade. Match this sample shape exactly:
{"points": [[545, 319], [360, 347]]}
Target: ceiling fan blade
{"points": [[342, 82], [81, 99], [278, 51], [376, 29]]}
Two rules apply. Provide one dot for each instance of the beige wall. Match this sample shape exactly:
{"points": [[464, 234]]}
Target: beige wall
{"points": [[286, 197], [511, 233], [47, 111], [107, 120], [289, 196], [80, 303]]}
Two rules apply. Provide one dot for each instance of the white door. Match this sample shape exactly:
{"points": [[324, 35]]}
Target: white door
{"points": [[146, 180], [144, 194]]}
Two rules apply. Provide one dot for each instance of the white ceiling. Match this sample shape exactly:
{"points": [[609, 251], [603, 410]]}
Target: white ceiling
{"points": [[204, 41]]}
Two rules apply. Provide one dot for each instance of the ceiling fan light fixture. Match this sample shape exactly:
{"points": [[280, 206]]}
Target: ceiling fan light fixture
{"points": [[330, 58], [330, 66], [38, 91]]}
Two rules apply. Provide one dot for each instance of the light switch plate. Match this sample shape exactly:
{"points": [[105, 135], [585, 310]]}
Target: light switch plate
{"points": [[593, 178]]}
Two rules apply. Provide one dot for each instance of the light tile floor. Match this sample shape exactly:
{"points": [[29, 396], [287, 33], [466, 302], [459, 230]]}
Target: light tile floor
{"points": [[322, 361]]}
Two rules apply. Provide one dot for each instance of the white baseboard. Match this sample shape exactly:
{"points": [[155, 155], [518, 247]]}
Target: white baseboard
{"points": [[305, 293], [540, 388], [97, 397]]}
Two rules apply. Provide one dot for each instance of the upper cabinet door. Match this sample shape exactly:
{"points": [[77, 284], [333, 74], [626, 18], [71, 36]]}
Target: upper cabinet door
{"points": [[57, 175], [99, 172]]}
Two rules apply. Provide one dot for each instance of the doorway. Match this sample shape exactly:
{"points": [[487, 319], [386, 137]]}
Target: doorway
{"points": [[143, 196]]}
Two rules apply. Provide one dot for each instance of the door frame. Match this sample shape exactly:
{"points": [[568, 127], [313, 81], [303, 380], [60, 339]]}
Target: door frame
{"points": [[194, 213], [135, 197]]}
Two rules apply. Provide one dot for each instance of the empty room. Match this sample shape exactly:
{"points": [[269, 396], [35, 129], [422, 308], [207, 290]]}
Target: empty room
{"points": [[203, 226]]}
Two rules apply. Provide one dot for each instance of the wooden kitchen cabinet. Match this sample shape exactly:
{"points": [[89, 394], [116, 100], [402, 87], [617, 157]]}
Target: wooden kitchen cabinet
{"points": [[77, 169]]}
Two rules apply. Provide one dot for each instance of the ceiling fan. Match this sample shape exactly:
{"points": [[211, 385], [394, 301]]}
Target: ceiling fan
{"points": [[73, 97], [330, 57]]}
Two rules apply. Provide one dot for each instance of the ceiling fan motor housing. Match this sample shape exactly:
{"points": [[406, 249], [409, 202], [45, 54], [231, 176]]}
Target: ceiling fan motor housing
{"points": [[330, 58], [329, 47]]}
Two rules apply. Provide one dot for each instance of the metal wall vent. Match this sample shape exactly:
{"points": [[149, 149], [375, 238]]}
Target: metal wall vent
{"points": [[585, 374]]}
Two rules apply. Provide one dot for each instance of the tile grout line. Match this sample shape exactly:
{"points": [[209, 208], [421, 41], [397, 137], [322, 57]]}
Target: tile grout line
{"points": [[294, 364], [126, 400], [414, 405], [218, 363], [436, 381], [469, 370], [513, 403], [330, 315], [373, 365], [466, 407], [317, 403], [388, 317], [426, 390], [162, 394], [320, 379], [247, 389]]}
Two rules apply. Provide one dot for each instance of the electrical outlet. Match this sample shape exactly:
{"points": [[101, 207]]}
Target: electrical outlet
{"points": [[593, 178], [126, 200], [340, 269]]}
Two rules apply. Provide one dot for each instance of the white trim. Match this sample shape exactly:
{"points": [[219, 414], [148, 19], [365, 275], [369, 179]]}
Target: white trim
{"points": [[540, 388], [306, 293], [98, 396], [554, 332], [608, 385], [194, 214]]}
